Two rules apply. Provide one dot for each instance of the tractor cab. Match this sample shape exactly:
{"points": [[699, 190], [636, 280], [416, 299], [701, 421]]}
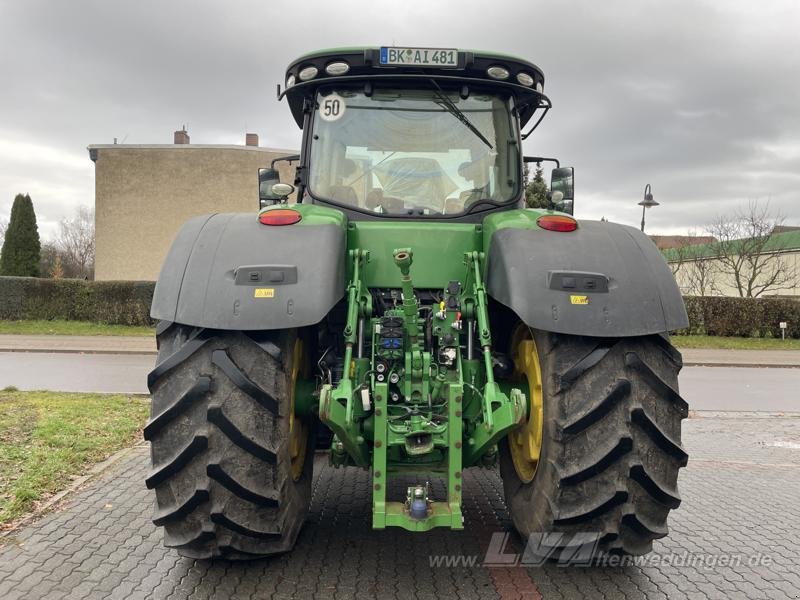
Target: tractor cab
{"points": [[413, 132]]}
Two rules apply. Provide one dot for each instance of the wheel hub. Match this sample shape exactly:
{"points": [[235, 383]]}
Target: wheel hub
{"points": [[525, 442], [298, 428]]}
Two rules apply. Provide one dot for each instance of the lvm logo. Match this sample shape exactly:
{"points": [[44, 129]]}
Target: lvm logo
{"points": [[565, 549]]}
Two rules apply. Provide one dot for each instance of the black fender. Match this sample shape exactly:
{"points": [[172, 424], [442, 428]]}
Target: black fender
{"points": [[603, 279], [228, 271]]}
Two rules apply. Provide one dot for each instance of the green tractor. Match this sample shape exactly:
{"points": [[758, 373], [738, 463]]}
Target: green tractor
{"points": [[410, 310]]}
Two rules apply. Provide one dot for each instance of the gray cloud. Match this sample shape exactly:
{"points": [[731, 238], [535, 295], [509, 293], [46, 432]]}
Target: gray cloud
{"points": [[699, 99]]}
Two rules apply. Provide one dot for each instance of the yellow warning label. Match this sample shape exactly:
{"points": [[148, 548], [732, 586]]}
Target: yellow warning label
{"points": [[264, 293], [579, 299]]}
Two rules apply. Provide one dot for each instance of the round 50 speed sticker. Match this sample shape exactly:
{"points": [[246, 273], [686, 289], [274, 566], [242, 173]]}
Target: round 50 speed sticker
{"points": [[331, 108]]}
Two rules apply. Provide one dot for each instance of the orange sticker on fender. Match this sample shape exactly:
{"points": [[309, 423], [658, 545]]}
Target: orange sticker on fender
{"points": [[579, 299], [264, 293]]}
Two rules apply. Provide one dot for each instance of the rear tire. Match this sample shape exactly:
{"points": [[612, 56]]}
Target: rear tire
{"points": [[219, 434], [611, 447]]}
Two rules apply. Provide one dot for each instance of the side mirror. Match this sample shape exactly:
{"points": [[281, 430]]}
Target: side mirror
{"points": [[267, 179], [282, 190], [562, 189]]}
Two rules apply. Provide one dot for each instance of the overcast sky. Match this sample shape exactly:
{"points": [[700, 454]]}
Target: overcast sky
{"points": [[699, 99]]}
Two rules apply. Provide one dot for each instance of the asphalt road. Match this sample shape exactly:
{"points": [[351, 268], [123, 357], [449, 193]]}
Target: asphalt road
{"points": [[68, 372], [705, 388]]}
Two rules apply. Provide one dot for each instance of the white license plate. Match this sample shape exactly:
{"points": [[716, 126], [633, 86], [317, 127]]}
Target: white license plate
{"points": [[419, 57]]}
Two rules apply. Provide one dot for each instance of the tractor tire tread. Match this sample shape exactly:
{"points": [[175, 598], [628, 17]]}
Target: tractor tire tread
{"points": [[220, 444], [162, 472], [217, 416], [184, 401], [611, 455]]}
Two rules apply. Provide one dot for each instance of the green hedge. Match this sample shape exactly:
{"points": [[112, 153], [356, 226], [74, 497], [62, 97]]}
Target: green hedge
{"points": [[742, 317], [112, 302], [128, 303]]}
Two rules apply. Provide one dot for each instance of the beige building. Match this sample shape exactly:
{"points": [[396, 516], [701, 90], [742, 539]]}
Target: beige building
{"points": [[699, 273], [144, 193]]}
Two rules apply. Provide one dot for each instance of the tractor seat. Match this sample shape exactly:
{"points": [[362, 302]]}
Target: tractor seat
{"points": [[344, 194], [376, 198]]}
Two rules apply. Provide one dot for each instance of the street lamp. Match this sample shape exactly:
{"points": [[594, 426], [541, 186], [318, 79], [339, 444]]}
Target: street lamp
{"points": [[647, 202]]}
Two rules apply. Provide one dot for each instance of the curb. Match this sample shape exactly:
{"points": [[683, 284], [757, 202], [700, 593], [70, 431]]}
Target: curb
{"points": [[80, 351], [742, 365], [94, 472], [741, 414]]}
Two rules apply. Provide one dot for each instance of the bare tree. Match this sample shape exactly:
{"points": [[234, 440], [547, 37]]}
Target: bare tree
{"points": [[700, 269], [677, 258], [700, 275], [748, 254], [76, 244], [47, 260]]}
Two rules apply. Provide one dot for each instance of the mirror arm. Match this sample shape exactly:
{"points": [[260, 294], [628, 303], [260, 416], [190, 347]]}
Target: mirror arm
{"points": [[538, 159], [290, 159], [546, 108]]}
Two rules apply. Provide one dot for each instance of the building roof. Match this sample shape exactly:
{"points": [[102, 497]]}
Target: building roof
{"points": [[189, 147], [778, 242], [663, 242]]}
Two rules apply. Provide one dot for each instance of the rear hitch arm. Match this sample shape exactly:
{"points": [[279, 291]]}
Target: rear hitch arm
{"points": [[500, 413], [336, 408]]}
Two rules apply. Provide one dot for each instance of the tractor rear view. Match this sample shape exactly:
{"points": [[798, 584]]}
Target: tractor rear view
{"points": [[411, 311]]}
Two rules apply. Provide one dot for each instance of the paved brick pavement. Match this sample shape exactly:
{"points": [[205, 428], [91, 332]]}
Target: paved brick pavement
{"points": [[740, 492]]}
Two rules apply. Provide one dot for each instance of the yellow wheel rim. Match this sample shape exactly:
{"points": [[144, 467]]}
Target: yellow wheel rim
{"points": [[525, 442], [298, 429]]}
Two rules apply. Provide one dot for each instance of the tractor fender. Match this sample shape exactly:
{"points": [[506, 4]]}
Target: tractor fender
{"points": [[228, 271], [603, 279]]}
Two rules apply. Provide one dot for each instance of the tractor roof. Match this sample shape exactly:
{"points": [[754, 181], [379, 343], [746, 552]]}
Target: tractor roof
{"points": [[405, 66]]}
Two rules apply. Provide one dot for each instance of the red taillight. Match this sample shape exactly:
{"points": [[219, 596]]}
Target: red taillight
{"points": [[279, 216], [557, 223]]}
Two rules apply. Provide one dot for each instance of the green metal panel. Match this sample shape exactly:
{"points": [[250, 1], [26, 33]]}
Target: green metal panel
{"points": [[524, 218], [455, 411], [332, 52], [441, 515], [379, 463], [438, 248]]}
